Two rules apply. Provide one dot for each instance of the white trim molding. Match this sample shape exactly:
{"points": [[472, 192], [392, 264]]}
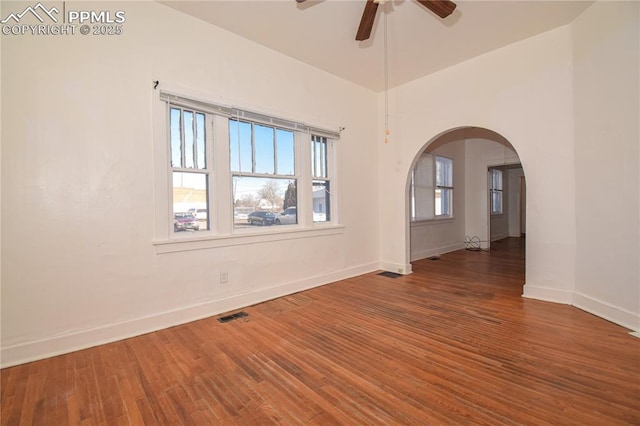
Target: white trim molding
{"points": [[396, 267], [274, 233], [424, 254], [39, 349], [532, 291], [609, 312]]}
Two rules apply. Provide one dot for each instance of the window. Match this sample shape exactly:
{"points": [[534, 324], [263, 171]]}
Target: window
{"points": [[263, 173], [431, 188], [444, 186], [189, 169], [495, 190], [422, 189], [232, 171], [321, 182]]}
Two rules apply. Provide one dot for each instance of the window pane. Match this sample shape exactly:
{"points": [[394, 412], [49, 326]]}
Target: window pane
{"points": [[188, 139], [412, 194], [496, 202], [323, 158], [264, 146], [321, 201], [254, 197], [285, 154], [447, 202], [289, 215], [439, 172], [496, 190], [444, 171], [423, 186], [318, 156], [443, 198], [176, 137], [496, 179], [190, 205], [240, 146], [200, 141], [313, 156]]}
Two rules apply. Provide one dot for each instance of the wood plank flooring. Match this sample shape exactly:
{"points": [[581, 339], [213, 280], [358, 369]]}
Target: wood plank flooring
{"points": [[454, 343]]}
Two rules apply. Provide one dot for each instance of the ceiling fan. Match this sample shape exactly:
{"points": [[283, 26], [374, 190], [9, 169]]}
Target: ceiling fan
{"points": [[442, 8]]}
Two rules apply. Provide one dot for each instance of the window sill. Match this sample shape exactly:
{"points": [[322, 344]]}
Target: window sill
{"points": [[434, 221], [217, 241]]}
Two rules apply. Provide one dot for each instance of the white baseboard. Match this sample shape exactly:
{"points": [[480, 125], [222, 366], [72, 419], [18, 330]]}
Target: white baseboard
{"points": [[423, 254], [596, 307], [609, 312], [83, 339], [547, 294], [398, 268]]}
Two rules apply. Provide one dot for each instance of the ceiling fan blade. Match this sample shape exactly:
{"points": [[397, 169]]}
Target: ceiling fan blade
{"points": [[366, 23], [442, 8], [300, 1]]}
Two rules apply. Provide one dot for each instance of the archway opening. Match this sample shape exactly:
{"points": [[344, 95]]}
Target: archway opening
{"points": [[466, 189]]}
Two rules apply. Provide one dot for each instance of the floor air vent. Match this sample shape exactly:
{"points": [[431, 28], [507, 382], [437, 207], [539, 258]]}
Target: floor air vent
{"points": [[232, 317], [390, 274]]}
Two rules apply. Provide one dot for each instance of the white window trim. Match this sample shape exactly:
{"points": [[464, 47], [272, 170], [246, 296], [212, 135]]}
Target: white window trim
{"points": [[439, 218], [492, 190], [448, 188], [243, 114], [221, 232], [200, 243]]}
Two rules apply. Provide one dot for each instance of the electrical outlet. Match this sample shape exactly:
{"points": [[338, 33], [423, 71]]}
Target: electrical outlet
{"points": [[224, 277]]}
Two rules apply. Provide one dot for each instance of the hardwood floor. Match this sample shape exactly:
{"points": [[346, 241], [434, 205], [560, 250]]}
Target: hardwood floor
{"points": [[453, 343]]}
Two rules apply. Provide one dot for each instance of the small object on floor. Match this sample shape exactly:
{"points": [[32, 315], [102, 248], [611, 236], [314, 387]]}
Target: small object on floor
{"points": [[390, 274], [231, 317]]}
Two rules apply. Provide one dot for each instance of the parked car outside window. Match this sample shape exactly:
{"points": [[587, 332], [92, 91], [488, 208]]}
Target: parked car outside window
{"points": [[287, 217], [184, 221], [261, 218]]}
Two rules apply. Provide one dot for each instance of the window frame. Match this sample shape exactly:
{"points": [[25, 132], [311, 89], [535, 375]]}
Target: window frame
{"points": [[221, 231], [237, 174], [442, 187], [423, 184], [494, 190], [321, 175], [207, 170]]}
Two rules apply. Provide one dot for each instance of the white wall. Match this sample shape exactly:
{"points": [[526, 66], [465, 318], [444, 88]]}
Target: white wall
{"points": [[607, 148], [523, 92], [79, 266], [513, 176]]}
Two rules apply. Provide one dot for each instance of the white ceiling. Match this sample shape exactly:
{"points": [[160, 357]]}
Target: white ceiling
{"points": [[322, 32]]}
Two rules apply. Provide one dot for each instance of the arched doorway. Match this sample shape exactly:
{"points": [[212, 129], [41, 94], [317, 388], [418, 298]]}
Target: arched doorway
{"points": [[465, 189]]}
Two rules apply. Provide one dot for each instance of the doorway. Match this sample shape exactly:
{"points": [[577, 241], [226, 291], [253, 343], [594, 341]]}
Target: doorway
{"points": [[506, 201]]}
